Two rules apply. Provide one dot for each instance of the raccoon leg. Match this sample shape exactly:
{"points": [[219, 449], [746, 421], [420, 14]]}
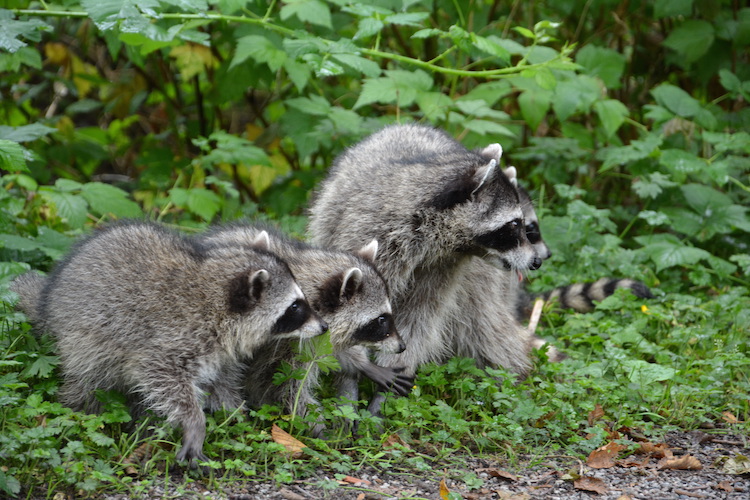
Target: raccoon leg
{"points": [[223, 391]]}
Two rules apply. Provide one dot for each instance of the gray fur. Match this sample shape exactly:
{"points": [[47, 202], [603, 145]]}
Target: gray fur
{"points": [[431, 203], [348, 293], [29, 287], [140, 309]]}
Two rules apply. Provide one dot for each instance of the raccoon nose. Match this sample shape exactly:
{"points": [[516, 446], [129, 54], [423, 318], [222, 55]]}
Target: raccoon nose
{"points": [[536, 263], [401, 347], [323, 327]]}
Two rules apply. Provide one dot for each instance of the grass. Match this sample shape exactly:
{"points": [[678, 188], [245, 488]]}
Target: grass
{"points": [[679, 361]]}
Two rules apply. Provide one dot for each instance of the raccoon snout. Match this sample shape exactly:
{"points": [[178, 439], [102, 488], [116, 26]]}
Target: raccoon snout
{"points": [[323, 327], [536, 263], [401, 347]]}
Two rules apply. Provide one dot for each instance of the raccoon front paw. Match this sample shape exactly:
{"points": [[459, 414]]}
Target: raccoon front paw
{"points": [[400, 384]]}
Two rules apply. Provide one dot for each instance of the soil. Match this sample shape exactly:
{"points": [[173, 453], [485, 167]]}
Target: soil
{"points": [[643, 477]]}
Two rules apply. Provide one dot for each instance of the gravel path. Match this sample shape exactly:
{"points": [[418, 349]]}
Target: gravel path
{"points": [[639, 477]]}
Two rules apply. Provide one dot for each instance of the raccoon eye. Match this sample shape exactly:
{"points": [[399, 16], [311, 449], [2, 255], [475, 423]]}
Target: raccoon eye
{"points": [[533, 233], [382, 320], [294, 317]]}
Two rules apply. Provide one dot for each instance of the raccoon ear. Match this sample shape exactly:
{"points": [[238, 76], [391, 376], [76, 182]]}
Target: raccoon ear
{"points": [[492, 152], [483, 173], [512, 175], [262, 241], [369, 251], [351, 283], [258, 282], [246, 288]]}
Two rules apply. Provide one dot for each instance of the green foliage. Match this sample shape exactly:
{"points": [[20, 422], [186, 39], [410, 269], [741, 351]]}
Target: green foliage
{"points": [[632, 133]]}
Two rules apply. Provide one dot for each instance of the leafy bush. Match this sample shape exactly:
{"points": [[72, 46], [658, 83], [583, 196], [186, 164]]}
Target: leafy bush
{"points": [[627, 121]]}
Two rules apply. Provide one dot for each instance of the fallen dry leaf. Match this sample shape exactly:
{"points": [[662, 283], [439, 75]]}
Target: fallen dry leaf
{"points": [[509, 495], [291, 444], [290, 495], [729, 418], [631, 461], [660, 450], [498, 473], [591, 484], [604, 456], [354, 480], [596, 414], [685, 462], [726, 486], [624, 497], [444, 491], [139, 455], [392, 440]]}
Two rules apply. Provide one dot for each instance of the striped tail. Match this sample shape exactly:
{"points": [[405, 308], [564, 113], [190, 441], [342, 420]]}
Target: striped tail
{"points": [[581, 296]]}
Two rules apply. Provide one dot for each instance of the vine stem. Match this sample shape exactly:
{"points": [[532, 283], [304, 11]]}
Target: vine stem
{"points": [[375, 53]]}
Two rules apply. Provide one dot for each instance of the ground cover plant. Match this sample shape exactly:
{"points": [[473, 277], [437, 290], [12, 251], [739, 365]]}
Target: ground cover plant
{"points": [[627, 121]]}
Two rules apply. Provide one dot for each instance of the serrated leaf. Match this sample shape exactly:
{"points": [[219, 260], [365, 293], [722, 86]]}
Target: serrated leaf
{"points": [[643, 373], [261, 49], [407, 18], [368, 27], [397, 87], [203, 202], [427, 33], [12, 158], [307, 11], [42, 366], [534, 105], [612, 114], [12, 29], [314, 105], [691, 40], [681, 162], [622, 155], [25, 133], [676, 100], [298, 73], [604, 63], [365, 66], [105, 199], [490, 47], [575, 95], [70, 207], [667, 254]]}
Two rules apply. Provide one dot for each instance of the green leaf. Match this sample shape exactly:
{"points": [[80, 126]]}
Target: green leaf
{"points": [[434, 105], [261, 49], [643, 373], [12, 158], [676, 100], [490, 47], [668, 254], [365, 66], [11, 30], [575, 95], [612, 114], [407, 18], [604, 63], [42, 366], [681, 163], [534, 105], [398, 87], [670, 8], [307, 11], [105, 199], [70, 207], [691, 40], [368, 27], [25, 133], [203, 202], [8, 483], [314, 105], [622, 155]]}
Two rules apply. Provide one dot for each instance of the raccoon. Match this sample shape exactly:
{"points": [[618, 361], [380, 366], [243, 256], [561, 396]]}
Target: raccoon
{"points": [[349, 294], [436, 208], [138, 308]]}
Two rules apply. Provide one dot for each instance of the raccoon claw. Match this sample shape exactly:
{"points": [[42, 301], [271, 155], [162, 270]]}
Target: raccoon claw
{"points": [[401, 385]]}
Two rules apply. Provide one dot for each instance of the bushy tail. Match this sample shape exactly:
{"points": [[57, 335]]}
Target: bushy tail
{"points": [[29, 287], [581, 296]]}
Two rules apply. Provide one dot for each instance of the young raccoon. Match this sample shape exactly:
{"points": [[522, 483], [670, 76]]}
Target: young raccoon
{"points": [[436, 208], [137, 308], [348, 293]]}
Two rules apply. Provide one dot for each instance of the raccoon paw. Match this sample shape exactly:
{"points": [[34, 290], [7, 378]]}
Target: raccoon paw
{"points": [[192, 456], [399, 384]]}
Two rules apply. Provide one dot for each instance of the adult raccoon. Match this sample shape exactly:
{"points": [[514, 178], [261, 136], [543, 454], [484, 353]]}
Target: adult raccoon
{"points": [[349, 294], [436, 208], [140, 309]]}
